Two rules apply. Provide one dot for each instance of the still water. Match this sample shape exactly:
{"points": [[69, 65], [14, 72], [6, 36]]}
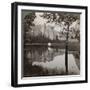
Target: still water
{"points": [[47, 61]]}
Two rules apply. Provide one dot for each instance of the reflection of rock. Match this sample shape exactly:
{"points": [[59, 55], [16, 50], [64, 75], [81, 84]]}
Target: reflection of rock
{"points": [[58, 65]]}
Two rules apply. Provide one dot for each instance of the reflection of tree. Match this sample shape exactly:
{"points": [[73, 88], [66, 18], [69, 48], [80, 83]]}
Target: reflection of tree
{"points": [[68, 19]]}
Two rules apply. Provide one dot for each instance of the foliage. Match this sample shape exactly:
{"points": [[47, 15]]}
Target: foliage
{"points": [[28, 23], [60, 17], [67, 18]]}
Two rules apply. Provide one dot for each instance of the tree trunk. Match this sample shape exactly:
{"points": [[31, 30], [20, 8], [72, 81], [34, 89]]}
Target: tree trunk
{"points": [[66, 51]]}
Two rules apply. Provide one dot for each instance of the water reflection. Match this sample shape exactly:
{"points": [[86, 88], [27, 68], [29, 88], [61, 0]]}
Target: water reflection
{"points": [[46, 60]]}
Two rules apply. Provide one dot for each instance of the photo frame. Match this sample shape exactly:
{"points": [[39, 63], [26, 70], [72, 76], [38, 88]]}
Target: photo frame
{"points": [[48, 44]]}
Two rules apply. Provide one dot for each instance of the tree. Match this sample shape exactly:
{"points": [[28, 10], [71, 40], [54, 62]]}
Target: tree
{"points": [[28, 23], [58, 18], [75, 29]]}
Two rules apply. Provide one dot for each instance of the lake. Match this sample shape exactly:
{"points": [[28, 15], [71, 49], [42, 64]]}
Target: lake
{"points": [[49, 61]]}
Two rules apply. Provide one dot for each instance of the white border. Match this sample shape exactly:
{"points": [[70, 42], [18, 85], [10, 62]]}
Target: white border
{"points": [[82, 49]]}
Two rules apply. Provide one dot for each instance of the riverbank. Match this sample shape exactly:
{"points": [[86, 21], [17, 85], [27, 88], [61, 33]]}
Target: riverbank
{"points": [[72, 46]]}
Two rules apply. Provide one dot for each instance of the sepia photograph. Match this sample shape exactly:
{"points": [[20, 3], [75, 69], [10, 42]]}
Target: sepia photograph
{"points": [[50, 43]]}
